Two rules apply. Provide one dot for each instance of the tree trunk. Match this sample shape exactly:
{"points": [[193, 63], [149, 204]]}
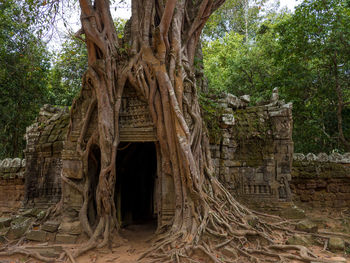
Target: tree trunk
{"points": [[340, 104], [158, 63]]}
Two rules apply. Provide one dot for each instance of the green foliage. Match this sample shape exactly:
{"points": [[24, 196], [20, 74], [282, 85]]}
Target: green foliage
{"points": [[24, 65], [67, 71], [239, 16], [305, 54], [313, 58], [239, 68], [211, 114], [69, 65]]}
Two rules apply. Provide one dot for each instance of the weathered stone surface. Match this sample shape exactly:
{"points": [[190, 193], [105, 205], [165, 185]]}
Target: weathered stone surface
{"points": [[228, 119], [311, 157], [66, 239], [321, 184], [47, 251], [335, 157], [292, 213], [298, 156], [72, 169], [298, 240], [18, 227], [253, 157], [37, 235], [32, 212], [336, 244], [11, 185], [245, 98], [72, 228], [307, 226], [50, 226], [43, 156]]}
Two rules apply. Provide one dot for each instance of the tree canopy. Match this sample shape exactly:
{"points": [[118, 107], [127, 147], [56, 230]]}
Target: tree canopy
{"points": [[305, 55], [24, 64]]}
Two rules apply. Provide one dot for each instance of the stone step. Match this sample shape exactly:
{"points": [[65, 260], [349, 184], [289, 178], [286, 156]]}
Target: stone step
{"points": [[53, 251]]}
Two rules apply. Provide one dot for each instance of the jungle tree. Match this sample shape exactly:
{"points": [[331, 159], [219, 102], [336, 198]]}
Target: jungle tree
{"points": [[24, 68], [156, 58]]}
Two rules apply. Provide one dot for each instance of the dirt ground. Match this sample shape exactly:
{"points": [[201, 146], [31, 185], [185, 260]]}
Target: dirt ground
{"points": [[136, 239]]}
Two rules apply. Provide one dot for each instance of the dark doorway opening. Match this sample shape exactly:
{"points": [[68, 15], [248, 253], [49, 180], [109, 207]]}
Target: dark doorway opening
{"points": [[94, 168], [136, 166]]}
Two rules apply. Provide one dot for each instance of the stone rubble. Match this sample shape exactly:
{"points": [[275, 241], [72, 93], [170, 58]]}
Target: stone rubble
{"points": [[323, 157]]}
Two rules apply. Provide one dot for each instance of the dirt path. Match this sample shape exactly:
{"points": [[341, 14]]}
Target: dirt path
{"points": [[136, 241]]}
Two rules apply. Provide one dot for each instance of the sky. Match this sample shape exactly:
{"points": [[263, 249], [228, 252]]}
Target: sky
{"points": [[72, 21], [289, 3]]}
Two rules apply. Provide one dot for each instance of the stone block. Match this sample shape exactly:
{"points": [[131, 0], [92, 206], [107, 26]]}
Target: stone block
{"points": [[66, 239], [336, 244], [32, 212], [332, 188], [321, 183], [307, 226], [311, 185], [18, 227], [57, 146], [298, 240], [72, 169], [292, 213], [50, 226], [52, 138], [47, 251], [72, 228], [37, 235]]}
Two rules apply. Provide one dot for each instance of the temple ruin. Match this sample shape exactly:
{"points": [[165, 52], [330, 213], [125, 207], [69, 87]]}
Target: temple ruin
{"points": [[252, 157]]}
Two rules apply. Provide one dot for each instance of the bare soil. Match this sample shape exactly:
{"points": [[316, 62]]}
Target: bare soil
{"points": [[136, 239]]}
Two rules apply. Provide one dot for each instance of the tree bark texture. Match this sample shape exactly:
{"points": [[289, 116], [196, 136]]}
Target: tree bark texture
{"points": [[156, 59]]}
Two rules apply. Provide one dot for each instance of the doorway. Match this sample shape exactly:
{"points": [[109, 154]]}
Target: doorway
{"points": [[94, 168], [136, 167]]}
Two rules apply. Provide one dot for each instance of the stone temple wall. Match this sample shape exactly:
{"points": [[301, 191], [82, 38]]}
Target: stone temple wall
{"points": [[322, 180], [45, 139], [254, 156], [11, 184]]}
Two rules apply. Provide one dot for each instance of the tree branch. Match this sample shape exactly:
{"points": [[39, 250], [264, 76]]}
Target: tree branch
{"points": [[167, 17], [86, 7]]}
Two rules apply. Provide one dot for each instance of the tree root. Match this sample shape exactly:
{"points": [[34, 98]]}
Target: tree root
{"points": [[226, 232], [18, 250]]}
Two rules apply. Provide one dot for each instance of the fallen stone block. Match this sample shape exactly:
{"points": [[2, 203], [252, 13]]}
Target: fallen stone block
{"points": [[336, 244], [50, 226], [66, 239], [72, 228], [18, 228], [307, 226], [47, 251], [37, 235], [298, 240]]}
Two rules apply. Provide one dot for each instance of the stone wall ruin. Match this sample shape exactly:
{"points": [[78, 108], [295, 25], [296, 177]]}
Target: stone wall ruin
{"points": [[253, 156], [321, 180], [43, 153], [12, 189]]}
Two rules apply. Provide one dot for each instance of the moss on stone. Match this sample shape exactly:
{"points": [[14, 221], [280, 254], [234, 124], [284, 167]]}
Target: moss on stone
{"points": [[303, 169]]}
